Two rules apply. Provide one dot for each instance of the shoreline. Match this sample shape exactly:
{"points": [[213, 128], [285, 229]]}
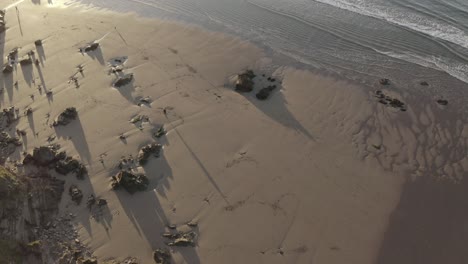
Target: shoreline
{"points": [[315, 172]]}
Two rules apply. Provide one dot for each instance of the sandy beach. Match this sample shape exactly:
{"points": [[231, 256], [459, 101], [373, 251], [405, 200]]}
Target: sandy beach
{"points": [[322, 171]]}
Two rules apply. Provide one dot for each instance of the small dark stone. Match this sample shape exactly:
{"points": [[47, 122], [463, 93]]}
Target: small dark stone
{"points": [[442, 102], [384, 81], [424, 83]]}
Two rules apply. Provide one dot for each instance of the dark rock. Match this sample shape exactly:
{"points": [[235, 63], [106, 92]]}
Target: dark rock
{"points": [[130, 182], [69, 164], [75, 193], [66, 117], [162, 256], [6, 139], [123, 80], [26, 61], [245, 82], [384, 81], [145, 100], [90, 47], [7, 69], [442, 102], [91, 201], [89, 261], [424, 83], [161, 132], [28, 111], [396, 103], [102, 202], [12, 54], [42, 156], [10, 114], [184, 240], [148, 150], [38, 43], [265, 92]]}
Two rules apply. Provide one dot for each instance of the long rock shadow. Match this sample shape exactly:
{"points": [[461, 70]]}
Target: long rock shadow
{"points": [[41, 53], [97, 55], [30, 118], [429, 224], [74, 131], [27, 71], [275, 107], [8, 85], [127, 90], [145, 211]]}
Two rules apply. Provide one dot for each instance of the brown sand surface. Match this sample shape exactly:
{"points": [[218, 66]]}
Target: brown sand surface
{"points": [[320, 172]]}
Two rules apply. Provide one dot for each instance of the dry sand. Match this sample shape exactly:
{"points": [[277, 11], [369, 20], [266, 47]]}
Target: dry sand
{"points": [[318, 173]]}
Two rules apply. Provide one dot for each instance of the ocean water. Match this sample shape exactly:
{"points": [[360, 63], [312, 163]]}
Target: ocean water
{"points": [[361, 40]]}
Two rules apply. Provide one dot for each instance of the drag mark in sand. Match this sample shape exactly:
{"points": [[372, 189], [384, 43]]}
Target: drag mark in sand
{"points": [[197, 160], [19, 20]]}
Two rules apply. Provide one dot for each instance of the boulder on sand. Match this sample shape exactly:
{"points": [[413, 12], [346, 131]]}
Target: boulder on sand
{"points": [[66, 117], [69, 164], [75, 194], [7, 69], [162, 256], [90, 47], [44, 156], [123, 80], [244, 82], [265, 92], [384, 81], [148, 150], [130, 182], [442, 102]]}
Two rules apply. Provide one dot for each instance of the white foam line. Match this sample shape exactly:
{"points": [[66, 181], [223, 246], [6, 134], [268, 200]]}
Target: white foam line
{"points": [[404, 19]]}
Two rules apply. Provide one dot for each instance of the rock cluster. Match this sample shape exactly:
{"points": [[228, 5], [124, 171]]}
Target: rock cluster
{"points": [[2, 21], [265, 92], [384, 81], [162, 256], [49, 156], [244, 82], [123, 80], [147, 151], [66, 117], [389, 101], [90, 47], [184, 239], [130, 181]]}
